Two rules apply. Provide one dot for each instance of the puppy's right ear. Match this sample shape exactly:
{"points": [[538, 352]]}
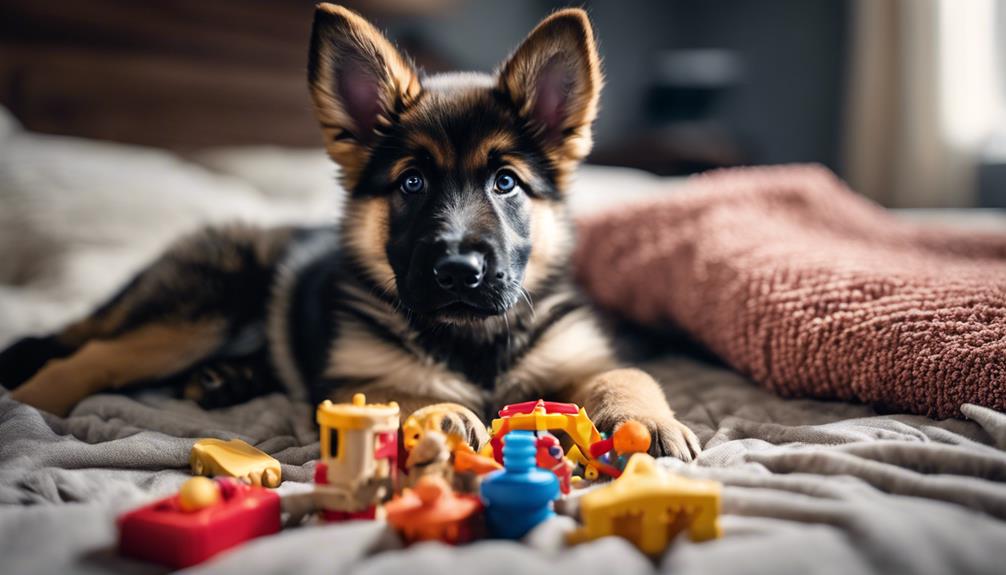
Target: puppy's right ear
{"points": [[358, 81]]}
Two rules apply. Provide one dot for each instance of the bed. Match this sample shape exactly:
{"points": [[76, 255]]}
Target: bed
{"points": [[810, 486]]}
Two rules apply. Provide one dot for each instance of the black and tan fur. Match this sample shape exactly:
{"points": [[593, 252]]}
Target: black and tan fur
{"points": [[330, 312]]}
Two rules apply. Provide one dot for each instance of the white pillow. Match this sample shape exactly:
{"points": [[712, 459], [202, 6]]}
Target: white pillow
{"points": [[78, 218]]}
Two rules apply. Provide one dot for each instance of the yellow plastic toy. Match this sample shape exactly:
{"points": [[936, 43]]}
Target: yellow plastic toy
{"points": [[431, 417], [359, 457], [649, 506], [549, 416], [430, 450], [234, 458]]}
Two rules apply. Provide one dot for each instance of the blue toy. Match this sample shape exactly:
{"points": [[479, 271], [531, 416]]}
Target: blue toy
{"points": [[519, 496]]}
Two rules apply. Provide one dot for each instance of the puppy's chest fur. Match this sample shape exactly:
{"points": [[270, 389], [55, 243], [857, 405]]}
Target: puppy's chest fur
{"points": [[331, 334]]}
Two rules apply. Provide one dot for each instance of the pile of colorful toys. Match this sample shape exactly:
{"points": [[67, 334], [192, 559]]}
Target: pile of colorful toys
{"points": [[438, 489]]}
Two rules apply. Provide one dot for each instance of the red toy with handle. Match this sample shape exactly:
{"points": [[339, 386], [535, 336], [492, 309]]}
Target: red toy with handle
{"points": [[205, 517]]}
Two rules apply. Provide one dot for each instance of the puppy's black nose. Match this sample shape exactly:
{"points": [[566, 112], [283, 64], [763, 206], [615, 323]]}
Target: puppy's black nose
{"points": [[457, 271]]}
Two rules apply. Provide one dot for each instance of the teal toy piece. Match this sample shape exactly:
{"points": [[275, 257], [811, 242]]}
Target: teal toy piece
{"points": [[519, 496]]}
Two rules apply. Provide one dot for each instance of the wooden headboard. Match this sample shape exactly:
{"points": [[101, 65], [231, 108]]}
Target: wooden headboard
{"points": [[178, 74]]}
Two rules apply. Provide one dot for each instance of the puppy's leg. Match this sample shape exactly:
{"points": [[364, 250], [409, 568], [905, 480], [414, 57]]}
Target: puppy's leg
{"points": [[615, 396], [225, 381], [200, 300], [26, 356], [149, 353]]}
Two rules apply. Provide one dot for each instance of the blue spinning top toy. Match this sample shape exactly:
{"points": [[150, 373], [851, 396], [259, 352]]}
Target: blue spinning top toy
{"points": [[519, 496]]}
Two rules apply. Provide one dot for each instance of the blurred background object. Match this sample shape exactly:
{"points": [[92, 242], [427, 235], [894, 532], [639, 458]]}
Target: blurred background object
{"points": [[903, 98]]}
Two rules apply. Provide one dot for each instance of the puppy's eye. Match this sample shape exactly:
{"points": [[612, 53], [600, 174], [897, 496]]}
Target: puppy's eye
{"points": [[413, 182], [505, 182]]}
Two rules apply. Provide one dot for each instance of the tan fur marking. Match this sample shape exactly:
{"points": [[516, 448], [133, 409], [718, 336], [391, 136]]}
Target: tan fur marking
{"points": [[551, 242], [151, 352], [443, 155], [218, 247], [367, 228], [478, 156], [79, 332], [571, 351], [360, 356], [399, 167]]}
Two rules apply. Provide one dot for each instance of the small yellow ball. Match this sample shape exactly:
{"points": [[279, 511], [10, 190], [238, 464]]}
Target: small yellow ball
{"points": [[198, 493]]}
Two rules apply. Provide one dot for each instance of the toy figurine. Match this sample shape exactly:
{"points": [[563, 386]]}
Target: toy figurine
{"points": [[519, 496], [234, 458], [649, 507], [350, 483], [431, 511], [432, 451], [430, 455], [205, 517], [551, 416], [551, 457], [630, 437]]}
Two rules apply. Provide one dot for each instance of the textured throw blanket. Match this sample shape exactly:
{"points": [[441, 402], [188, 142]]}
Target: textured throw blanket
{"points": [[811, 290]]}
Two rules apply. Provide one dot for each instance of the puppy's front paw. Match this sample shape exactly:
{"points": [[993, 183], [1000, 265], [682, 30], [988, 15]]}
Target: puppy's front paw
{"points": [[668, 436], [621, 394], [455, 419]]}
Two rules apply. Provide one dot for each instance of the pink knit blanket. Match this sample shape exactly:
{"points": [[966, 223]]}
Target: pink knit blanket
{"points": [[810, 289]]}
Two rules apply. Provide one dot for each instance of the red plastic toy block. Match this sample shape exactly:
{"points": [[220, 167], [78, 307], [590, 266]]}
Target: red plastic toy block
{"points": [[162, 533]]}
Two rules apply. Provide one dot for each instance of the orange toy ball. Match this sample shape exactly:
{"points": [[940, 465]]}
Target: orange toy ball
{"points": [[198, 493], [631, 437]]}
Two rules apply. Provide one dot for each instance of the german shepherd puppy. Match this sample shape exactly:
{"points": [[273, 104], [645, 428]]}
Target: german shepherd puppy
{"points": [[447, 280]]}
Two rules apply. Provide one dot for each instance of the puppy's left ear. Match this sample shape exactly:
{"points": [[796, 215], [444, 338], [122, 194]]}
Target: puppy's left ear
{"points": [[554, 78], [358, 81]]}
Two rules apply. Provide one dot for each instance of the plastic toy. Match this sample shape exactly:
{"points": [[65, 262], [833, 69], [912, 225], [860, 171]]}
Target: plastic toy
{"points": [[431, 455], [630, 437], [431, 511], [551, 457], [649, 507], [234, 458], [551, 416], [350, 483], [426, 419], [430, 450], [198, 493], [519, 496], [467, 461], [204, 518]]}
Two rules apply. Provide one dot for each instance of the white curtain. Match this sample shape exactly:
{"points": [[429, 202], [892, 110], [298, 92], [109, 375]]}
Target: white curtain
{"points": [[925, 93]]}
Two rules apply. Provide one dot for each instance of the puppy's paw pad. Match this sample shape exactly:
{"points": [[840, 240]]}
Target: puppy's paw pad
{"points": [[670, 437]]}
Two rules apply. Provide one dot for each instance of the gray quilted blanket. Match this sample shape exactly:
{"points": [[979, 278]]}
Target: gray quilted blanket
{"points": [[810, 486]]}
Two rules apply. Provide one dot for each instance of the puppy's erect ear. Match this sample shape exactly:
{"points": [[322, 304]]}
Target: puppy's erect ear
{"points": [[358, 81], [554, 78]]}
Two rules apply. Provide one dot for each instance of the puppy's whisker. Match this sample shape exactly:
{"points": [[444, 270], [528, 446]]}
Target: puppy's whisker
{"points": [[527, 297]]}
